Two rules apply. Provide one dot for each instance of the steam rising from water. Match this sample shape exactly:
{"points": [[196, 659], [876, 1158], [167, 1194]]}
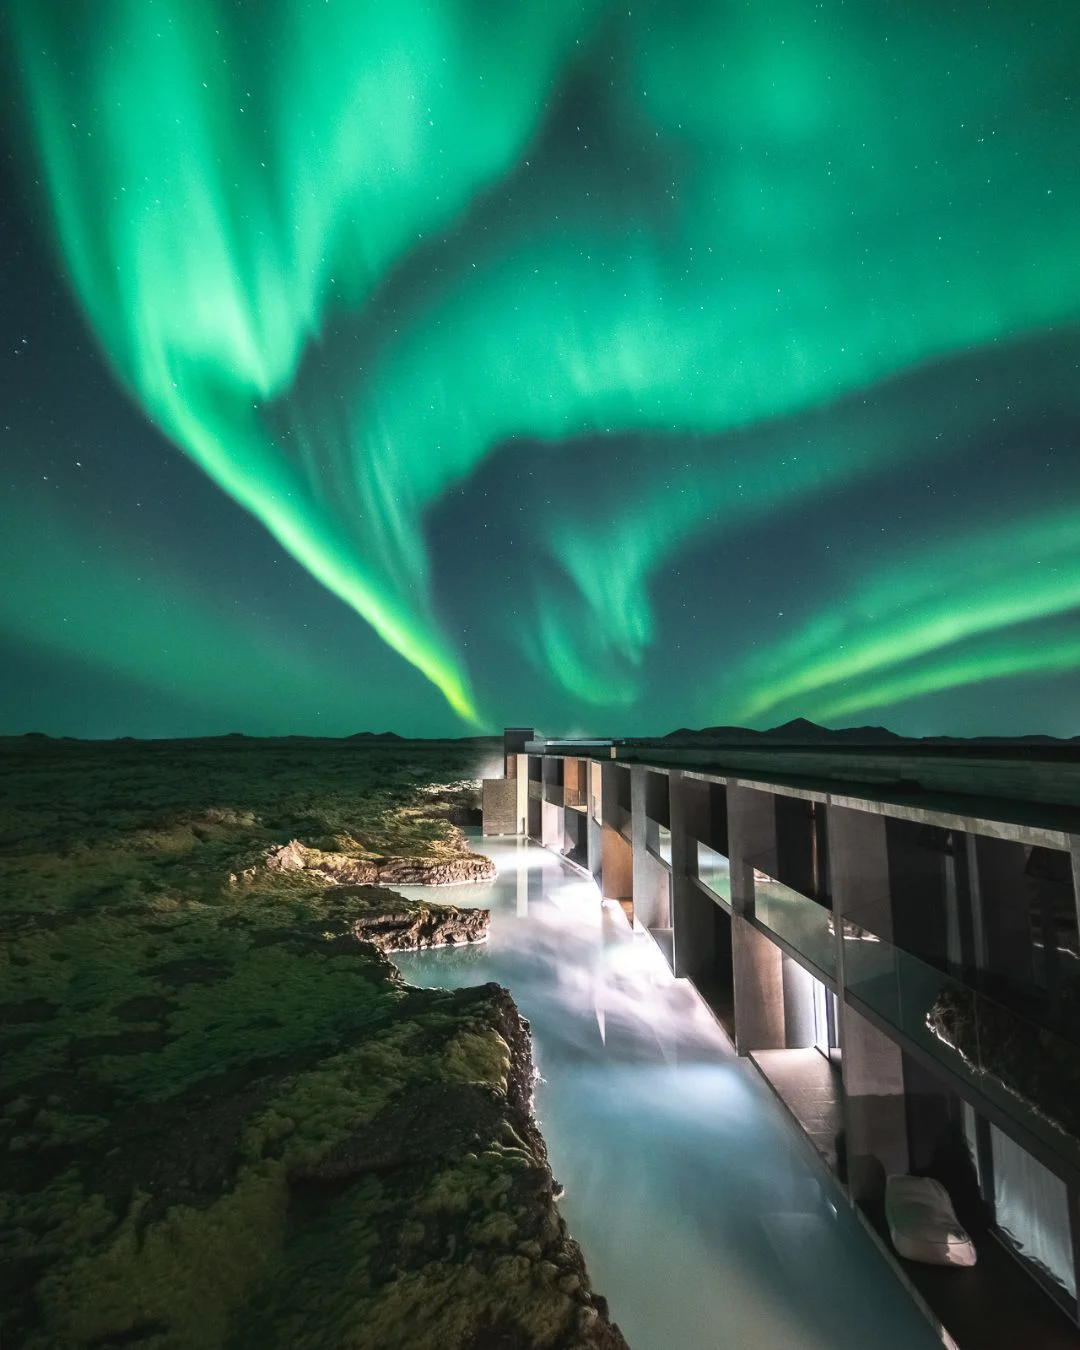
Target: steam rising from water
{"points": [[699, 1217]]}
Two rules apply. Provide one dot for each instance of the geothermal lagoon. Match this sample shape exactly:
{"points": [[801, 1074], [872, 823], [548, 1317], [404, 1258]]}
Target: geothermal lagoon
{"points": [[701, 1219]]}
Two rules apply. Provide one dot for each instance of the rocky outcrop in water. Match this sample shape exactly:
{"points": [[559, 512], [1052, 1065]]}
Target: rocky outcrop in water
{"points": [[394, 924], [449, 867], [467, 867], [297, 857]]}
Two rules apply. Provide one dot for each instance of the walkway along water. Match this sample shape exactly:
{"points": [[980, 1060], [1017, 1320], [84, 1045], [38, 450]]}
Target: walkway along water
{"points": [[701, 1219]]}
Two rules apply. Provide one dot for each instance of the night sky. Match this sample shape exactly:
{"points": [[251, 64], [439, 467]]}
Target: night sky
{"points": [[433, 366]]}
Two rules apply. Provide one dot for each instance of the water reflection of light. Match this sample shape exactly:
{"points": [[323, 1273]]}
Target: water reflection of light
{"points": [[698, 1214], [522, 858]]}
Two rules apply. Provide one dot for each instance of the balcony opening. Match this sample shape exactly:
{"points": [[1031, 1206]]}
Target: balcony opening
{"points": [[575, 783], [617, 869], [658, 798], [805, 1072], [802, 854], [703, 953], [712, 870], [575, 845]]}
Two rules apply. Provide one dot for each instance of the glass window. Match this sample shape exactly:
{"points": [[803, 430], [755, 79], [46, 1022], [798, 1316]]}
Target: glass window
{"points": [[971, 1137], [1031, 1207], [713, 871], [826, 1030]]}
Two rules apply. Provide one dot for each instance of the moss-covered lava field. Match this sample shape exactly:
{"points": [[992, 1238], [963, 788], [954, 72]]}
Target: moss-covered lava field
{"points": [[225, 1121]]}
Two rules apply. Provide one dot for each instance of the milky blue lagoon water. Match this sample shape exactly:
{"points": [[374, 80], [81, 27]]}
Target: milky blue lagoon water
{"points": [[701, 1219]]}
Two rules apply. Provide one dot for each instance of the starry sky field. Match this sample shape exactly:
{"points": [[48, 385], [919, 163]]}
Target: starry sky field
{"points": [[441, 364]]}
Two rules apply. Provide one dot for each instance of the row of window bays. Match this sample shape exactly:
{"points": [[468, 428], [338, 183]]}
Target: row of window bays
{"points": [[992, 904], [951, 942]]}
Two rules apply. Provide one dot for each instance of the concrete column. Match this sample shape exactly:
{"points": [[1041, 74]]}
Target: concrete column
{"points": [[652, 880], [859, 862], [617, 865], [759, 989], [616, 854], [751, 833], [859, 867], [596, 851], [637, 837], [875, 1116], [611, 776], [692, 915], [593, 827], [522, 793], [552, 826]]}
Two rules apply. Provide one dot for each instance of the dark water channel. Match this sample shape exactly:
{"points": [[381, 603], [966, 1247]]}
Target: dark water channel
{"points": [[701, 1219]]}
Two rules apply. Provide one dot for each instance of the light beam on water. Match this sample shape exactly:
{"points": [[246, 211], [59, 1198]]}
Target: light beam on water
{"points": [[700, 1218]]}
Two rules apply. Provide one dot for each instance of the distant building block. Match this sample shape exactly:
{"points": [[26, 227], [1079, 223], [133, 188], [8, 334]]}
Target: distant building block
{"points": [[514, 742], [500, 806]]}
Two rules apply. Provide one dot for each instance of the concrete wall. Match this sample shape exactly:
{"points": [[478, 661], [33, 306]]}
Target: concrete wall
{"points": [[751, 837], [759, 989], [875, 1123], [652, 880], [500, 813], [859, 863], [551, 827], [875, 1118], [691, 912], [652, 891], [596, 852], [1011, 776], [617, 865]]}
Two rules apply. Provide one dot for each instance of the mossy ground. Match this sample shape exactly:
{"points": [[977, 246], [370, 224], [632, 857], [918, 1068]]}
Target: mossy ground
{"points": [[224, 1121], [91, 824]]}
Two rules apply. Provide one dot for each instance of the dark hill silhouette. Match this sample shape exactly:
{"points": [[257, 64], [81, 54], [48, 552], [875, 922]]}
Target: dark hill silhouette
{"points": [[799, 729]]}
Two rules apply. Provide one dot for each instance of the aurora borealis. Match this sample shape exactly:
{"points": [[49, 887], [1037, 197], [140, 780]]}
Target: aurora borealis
{"points": [[438, 365]]}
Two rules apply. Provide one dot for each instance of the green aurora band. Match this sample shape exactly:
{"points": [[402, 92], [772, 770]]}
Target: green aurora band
{"points": [[870, 649], [204, 652], [234, 200]]}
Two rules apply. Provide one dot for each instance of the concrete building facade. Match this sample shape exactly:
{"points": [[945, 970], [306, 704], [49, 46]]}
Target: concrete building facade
{"points": [[892, 939]]}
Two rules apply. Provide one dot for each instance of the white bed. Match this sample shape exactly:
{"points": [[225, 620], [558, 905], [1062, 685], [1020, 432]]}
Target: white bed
{"points": [[923, 1225]]}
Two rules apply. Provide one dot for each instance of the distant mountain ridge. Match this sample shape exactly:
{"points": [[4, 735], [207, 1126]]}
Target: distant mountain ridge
{"points": [[802, 731]]}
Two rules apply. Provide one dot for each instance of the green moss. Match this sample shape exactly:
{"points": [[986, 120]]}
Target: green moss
{"points": [[86, 825], [316, 1293], [185, 1064], [445, 1305], [478, 1057], [187, 1272], [317, 1110], [62, 1216]]}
